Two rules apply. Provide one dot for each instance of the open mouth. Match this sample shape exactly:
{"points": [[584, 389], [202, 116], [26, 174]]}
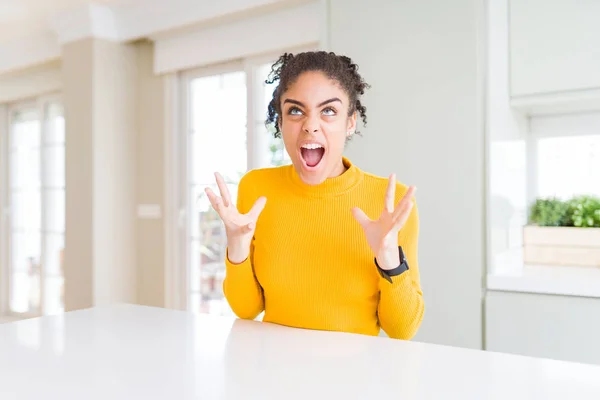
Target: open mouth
{"points": [[312, 154]]}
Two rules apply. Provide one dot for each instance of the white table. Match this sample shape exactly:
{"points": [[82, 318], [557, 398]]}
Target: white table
{"points": [[133, 352]]}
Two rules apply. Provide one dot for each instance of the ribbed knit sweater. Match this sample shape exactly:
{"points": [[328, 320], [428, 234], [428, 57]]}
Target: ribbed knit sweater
{"points": [[310, 265]]}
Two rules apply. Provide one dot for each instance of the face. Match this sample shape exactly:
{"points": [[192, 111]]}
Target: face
{"points": [[315, 125]]}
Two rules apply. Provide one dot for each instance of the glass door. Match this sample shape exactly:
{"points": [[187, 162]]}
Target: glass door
{"points": [[36, 204], [216, 142], [25, 205]]}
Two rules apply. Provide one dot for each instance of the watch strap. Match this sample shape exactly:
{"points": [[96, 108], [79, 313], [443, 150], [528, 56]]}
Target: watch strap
{"points": [[388, 274]]}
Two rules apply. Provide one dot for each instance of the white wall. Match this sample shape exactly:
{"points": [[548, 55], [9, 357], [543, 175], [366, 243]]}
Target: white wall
{"points": [[100, 93], [425, 123], [150, 179], [115, 127], [554, 46], [557, 327]]}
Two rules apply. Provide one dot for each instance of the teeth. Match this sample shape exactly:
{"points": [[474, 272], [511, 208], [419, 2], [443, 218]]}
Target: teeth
{"points": [[312, 146]]}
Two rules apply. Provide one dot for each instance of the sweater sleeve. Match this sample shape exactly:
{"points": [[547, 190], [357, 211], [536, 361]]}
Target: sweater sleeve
{"points": [[401, 305], [240, 286]]}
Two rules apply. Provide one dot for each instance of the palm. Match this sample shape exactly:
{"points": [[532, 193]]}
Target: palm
{"points": [[382, 234]]}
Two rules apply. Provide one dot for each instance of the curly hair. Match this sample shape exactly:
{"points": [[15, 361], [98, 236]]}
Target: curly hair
{"points": [[339, 68]]}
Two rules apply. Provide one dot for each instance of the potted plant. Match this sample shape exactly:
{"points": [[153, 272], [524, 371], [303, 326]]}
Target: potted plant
{"points": [[563, 232]]}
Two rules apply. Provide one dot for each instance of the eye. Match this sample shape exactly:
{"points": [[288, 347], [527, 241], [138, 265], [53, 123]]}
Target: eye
{"points": [[294, 111], [329, 111]]}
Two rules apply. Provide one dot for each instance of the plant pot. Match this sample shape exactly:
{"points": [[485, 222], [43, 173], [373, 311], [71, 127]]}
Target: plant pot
{"points": [[549, 245]]}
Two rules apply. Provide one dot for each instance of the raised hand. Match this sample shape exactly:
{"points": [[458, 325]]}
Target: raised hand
{"points": [[238, 227], [382, 234]]}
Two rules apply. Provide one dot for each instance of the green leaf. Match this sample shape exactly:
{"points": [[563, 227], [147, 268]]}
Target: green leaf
{"points": [[580, 211]]}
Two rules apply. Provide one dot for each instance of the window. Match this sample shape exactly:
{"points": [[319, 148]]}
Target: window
{"points": [[508, 198], [225, 112], [35, 223], [565, 159], [568, 166], [556, 156], [277, 154]]}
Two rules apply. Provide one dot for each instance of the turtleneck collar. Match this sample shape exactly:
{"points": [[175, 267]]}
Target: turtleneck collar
{"points": [[331, 187]]}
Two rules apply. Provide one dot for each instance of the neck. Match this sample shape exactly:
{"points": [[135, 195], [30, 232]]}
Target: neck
{"points": [[339, 169]]}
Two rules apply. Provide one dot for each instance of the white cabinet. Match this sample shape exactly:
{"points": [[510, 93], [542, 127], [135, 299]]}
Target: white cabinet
{"points": [[556, 327], [554, 46]]}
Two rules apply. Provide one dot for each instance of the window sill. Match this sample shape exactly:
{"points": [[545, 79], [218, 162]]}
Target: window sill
{"points": [[548, 279]]}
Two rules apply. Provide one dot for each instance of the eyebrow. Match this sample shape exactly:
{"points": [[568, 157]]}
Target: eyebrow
{"points": [[292, 101]]}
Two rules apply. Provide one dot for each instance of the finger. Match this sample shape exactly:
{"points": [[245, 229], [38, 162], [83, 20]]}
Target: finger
{"points": [[402, 217], [257, 208], [406, 199], [390, 193], [401, 208], [360, 216], [223, 189], [215, 200]]}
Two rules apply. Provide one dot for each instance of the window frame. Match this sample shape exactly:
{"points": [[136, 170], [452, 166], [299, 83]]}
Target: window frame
{"points": [[40, 104]]}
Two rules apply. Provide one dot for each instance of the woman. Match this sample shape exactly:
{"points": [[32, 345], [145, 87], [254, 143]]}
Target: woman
{"points": [[320, 244]]}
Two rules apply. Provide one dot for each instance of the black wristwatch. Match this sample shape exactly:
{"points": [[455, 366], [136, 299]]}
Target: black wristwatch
{"points": [[387, 274]]}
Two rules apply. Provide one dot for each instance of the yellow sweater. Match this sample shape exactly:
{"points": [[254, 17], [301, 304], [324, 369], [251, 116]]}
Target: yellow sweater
{"points": [[310, 265]]}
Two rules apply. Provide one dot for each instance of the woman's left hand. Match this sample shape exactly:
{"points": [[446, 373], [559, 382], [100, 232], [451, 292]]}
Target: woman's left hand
{"points": [[382, 234]]}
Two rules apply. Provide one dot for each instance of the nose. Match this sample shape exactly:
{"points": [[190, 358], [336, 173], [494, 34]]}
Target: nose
{"points": [[311, 126]]}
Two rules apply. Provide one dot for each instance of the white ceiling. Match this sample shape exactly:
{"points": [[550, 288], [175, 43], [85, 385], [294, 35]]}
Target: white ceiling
{"points": [[33, 31], [22, 18]]}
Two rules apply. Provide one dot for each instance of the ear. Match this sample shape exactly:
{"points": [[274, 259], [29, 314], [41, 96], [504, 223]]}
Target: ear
{"points": [[351, 126]]}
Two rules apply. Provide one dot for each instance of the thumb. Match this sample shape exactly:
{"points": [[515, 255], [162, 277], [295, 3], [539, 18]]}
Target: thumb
{"points": [[360, 216], [249, 228], [257, 208]]}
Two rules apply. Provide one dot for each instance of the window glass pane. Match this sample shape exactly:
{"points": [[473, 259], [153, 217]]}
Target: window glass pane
{"points": [[207, 249], [25, 168], [53, 295], [218, 106], [25, 129], [569, 166], [54, 255], [26, 208], [277, 153], [25, 291], [218, 143], [507, 202], [32, 143], [54, 166], [25, 250], [55, 210]]}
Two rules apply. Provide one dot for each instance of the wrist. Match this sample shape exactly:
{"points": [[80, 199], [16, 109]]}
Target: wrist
{"points": [[388, 259], [235, 255], [401, 267]]}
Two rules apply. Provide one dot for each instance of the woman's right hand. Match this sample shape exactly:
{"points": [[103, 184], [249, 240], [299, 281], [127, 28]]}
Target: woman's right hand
{"points": [[238, 227]]}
